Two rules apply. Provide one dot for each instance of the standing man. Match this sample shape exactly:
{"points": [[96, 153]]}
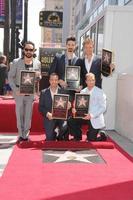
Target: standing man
{"points": [[94, 118], [92, 63], [45, 108], [61, 62], [24, 103]]}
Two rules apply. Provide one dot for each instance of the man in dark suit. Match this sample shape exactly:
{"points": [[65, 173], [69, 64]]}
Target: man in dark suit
{"points": [[61, 62], [91, 63], [45, 107]]}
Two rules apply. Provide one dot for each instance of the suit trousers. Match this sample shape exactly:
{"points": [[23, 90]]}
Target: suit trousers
{"points": [[75, 129], [24, 106], [50, 125]]}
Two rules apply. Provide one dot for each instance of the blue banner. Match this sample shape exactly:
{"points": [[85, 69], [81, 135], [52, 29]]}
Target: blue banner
{"points": [[19, 12], [2, 11]]}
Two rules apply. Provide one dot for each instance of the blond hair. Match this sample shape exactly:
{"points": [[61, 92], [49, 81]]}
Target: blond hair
{"points": [[88, 41], [90, 75]]}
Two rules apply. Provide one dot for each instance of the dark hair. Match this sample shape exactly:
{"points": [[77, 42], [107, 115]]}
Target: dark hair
{"points": [[70, 39], [28, 42], [53, 74]]}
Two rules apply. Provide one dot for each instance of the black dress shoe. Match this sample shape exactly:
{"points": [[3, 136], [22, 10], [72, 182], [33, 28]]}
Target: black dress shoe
{"points": [[20, 139], [102, 136]]}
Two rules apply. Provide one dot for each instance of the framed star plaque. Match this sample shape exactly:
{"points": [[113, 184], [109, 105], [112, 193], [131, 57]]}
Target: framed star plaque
{"points": [[27, 82], [60, 106], [81, 105], [72, 77], [106, 61]]}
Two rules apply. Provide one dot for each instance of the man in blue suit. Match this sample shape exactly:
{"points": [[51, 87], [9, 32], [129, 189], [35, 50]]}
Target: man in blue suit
{"points": [[45, 108], [94, 118]]}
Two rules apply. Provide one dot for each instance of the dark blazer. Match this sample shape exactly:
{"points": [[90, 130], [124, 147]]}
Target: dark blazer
{"points": [[95, 69], [45, 101], [58, 66]]}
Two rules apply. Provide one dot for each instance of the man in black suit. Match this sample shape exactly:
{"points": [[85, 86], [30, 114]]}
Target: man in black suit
{"points": [[45, 107], [92, 63], [61, 62]]}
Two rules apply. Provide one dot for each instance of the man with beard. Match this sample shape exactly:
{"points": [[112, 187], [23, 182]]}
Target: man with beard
{"points": [[61, 62], [24, 103]]}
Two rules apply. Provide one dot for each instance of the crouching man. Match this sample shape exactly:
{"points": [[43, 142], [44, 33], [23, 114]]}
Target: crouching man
{"points": [[54, 128], [94, 118]]}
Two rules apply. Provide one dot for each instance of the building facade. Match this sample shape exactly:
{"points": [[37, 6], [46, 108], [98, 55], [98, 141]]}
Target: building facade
{"points": [[68, 19], [88, 20], [52, 36]]}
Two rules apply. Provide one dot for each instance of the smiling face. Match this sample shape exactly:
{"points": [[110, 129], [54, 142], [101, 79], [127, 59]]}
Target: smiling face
{"points": [[88, 49], [54, 81], [90, 80]]}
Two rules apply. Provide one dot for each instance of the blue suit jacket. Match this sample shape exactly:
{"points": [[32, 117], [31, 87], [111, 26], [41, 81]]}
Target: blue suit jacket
{"points": [[45, 101]]}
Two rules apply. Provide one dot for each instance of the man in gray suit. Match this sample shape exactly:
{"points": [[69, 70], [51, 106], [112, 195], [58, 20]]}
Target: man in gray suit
{"points": [[94, 118], [24, 103]]}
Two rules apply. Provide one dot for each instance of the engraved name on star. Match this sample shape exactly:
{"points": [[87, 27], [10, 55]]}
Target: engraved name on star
{"points": [[82, 102], [69, 155], [28, 79], [60, 103]]}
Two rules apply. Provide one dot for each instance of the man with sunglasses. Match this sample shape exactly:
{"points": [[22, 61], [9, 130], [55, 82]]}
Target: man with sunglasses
{"points": [[24, 103]]}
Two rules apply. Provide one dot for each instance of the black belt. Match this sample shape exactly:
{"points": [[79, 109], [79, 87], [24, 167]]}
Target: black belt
{"points": [[17, 86]]}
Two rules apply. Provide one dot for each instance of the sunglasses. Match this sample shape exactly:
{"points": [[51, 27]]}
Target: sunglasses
{"points": [[29, 49]]}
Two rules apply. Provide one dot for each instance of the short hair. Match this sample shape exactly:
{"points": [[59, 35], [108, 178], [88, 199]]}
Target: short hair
{"points": [[53, 74], [88, 41], [89, 75], [71, 38], [2, 58]]}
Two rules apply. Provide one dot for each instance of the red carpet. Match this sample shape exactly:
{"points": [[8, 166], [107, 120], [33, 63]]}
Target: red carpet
{"points": [[27, 178], [71, 145], [8, 117]]}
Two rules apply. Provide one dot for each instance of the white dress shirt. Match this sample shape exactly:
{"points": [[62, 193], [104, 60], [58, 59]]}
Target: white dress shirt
{"points": [[88, 64]]}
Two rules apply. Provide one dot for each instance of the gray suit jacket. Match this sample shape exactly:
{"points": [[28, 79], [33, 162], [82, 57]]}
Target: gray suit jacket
{"points": [[97, 106], [15, 69]]}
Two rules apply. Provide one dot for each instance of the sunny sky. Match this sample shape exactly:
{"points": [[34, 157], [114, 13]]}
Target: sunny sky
{"points": [[34, 30]]}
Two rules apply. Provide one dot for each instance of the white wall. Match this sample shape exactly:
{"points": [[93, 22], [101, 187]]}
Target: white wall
{"points": [[118, 31], [124, 106]]}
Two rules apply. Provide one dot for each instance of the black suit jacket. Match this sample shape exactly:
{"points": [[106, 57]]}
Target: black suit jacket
{"points": [[95, 69], [45, 101], [58, 66]]}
